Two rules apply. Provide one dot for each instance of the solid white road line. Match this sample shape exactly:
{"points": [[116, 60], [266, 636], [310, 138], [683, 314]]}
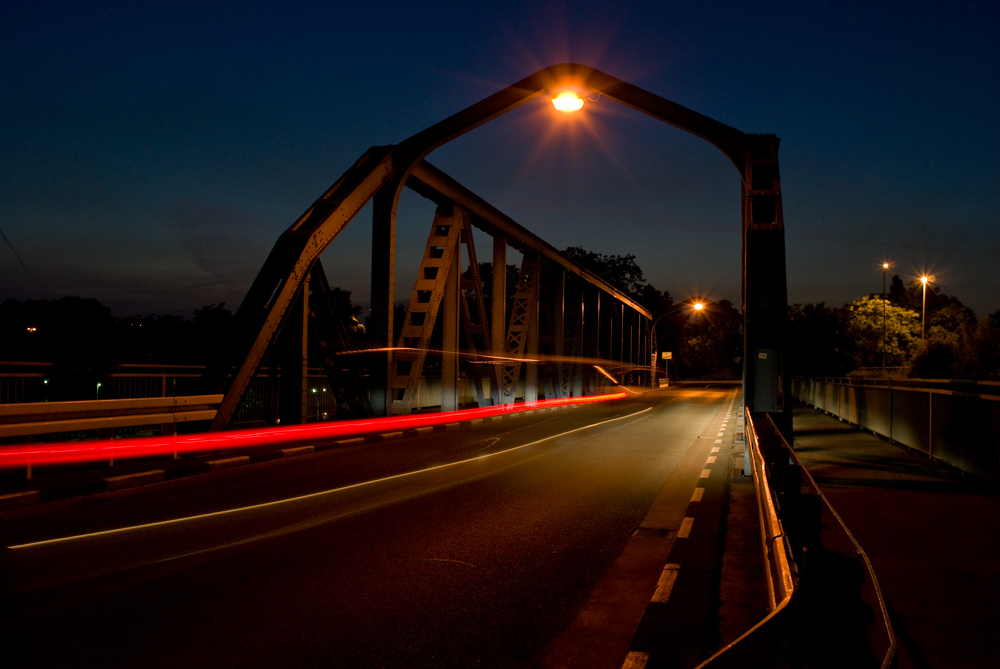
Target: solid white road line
{"points": [[685, 531], [698, 494], [289, 500]]}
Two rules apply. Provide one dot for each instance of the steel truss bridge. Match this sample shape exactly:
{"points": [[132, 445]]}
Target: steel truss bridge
{"points": [[562, 313]]}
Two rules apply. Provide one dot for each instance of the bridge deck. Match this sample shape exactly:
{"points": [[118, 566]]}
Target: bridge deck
{"points": [[933, 536]]}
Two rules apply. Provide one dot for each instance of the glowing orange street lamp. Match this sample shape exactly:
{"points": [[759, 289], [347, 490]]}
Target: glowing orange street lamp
{"points": [[567, 101], [923, 310], [885, 268], [697, 306]]}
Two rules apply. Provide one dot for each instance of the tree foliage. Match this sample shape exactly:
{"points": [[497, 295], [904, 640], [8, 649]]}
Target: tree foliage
{"points": [[622, 272], [870, 333]]}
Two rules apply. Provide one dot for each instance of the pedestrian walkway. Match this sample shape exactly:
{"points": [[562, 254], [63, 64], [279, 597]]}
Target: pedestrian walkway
{"points": [[932, 534]]}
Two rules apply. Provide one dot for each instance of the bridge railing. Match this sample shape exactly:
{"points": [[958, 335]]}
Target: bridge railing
{"points": [[955, 422], [804, 622], [37, 418]]}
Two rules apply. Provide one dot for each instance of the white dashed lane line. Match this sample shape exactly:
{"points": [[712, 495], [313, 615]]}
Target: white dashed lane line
{"points": [[705, 473], [685, 531], [666, 583], [636, 660], [698, 493]]}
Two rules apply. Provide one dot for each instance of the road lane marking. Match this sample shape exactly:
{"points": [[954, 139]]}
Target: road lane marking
{"points": [[263, 505], [711, 459], [705, 473], [718, 441], [720, 434], [698, 494], [666, 583], [685, 530], [715, 449], [636, 660]]}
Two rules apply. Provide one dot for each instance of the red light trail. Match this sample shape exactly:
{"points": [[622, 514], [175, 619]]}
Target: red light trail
{"points": [[21, 455]]}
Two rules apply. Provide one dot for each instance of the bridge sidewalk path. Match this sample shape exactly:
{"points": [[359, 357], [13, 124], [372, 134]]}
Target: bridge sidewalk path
{"points": [[933, 536]]}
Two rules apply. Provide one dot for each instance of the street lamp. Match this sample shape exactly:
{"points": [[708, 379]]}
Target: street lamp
{"points": [[697, 306], [885, 268], [567, 101], [923, 309], [98, 394]]}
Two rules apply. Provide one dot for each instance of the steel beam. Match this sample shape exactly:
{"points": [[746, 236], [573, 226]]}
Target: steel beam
{"points": [[767, 389], [435, 185], [264, 310], [449, 341], [383, 285], [498, 308]]}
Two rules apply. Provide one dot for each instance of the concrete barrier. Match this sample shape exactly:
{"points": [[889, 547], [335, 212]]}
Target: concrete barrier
{"points": [[956, 422]]}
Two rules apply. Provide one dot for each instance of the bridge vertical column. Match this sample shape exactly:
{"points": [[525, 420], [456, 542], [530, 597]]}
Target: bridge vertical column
{"points": [[498, 310], [531, 371], [765, 296], [383, 279], [579, 307], [449, 347], [293, 386], [557, 328], [591, 335]]}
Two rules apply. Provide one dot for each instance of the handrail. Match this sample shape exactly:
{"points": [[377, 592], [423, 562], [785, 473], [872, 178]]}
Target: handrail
{"points": [[28, 419], [777, 553]]}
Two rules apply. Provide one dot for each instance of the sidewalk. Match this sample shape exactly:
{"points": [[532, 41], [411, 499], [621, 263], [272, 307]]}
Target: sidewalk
{"points": [[933, 536]]}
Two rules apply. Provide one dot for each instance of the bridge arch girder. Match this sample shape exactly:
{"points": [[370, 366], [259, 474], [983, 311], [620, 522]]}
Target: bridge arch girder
{"points": [[381, 173]]}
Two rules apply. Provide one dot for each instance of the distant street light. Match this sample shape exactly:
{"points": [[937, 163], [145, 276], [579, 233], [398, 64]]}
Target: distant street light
{"points": [[885, 268], [697, 306], [98, 395], [923, 310]]}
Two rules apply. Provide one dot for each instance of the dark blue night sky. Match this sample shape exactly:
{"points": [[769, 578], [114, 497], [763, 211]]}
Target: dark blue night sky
{"points": [[150, 155]]}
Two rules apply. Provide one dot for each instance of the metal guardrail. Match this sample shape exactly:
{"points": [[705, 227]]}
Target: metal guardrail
{"points": [[955, 422], [29, 419], [777, 640], [760, 645]]}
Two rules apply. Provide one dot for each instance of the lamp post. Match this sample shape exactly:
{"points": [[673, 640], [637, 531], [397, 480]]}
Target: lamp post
{"points": [[923, 310], [885, 268], [697, 307]]}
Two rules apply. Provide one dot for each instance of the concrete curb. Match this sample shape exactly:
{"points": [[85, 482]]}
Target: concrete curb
{"points": [[16, 500], [298, 450], [133, 480], [227, 463]]}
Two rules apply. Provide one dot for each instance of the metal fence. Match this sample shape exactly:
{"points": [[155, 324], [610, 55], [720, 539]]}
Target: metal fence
{"points": [[955, 422], [30, 382]]}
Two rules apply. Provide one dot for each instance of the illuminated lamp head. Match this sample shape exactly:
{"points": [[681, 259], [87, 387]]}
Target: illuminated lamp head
{"points": [[567, 101], [697, 306]]}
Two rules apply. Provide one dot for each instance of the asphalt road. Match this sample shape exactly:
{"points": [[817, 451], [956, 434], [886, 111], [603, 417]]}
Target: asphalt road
{"points": [[474, 548]]}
